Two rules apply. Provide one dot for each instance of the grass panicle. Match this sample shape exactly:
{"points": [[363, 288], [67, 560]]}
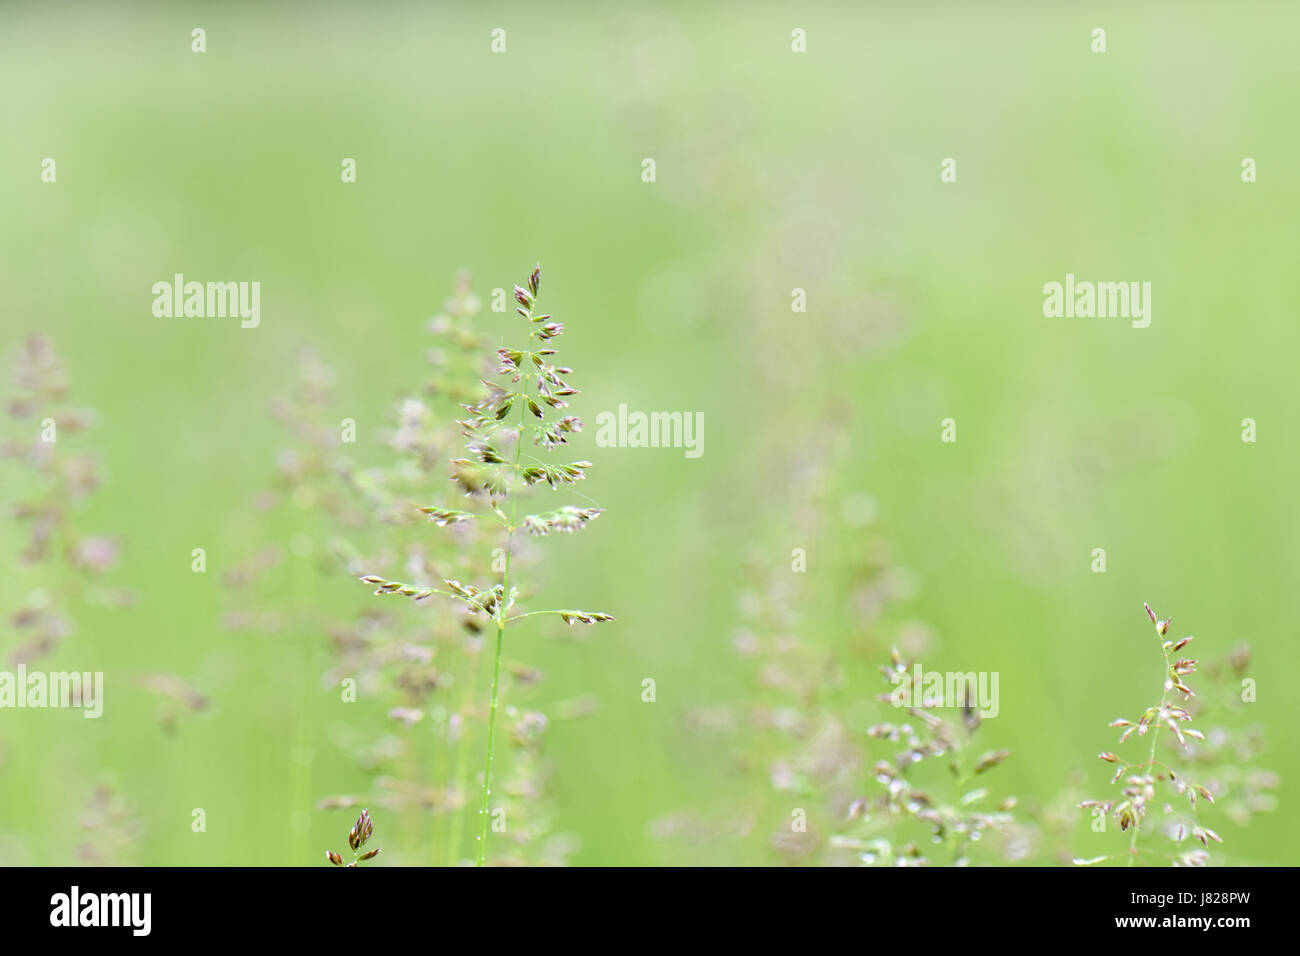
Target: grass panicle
{"points": [[412, 668], [70, 565], [526, 400], [1164, 792], [358, 836]]}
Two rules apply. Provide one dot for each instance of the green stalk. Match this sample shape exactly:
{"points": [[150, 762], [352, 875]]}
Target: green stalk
{"points": [[492, 723], [299, 817], [462, 772], [501, 633], [1151, 761]]}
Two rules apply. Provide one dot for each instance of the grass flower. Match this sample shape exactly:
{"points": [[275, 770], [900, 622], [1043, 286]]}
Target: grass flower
{"points": [[526, 400], [71, 563], [1179, 785], [358, 836]]}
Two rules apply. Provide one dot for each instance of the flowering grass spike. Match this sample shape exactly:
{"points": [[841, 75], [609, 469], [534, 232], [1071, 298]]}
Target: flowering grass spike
{"points": [[527, 401], [1156, 783]]}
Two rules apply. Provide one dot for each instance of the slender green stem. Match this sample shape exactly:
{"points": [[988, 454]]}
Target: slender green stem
{"points": [[496, 666], [520, 617], [492, 723], [300, 753], [462, 770], [1151, 761]]}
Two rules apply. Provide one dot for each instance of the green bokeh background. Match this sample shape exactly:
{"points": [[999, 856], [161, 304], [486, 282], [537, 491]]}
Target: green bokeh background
{"points": [[774, 171]]}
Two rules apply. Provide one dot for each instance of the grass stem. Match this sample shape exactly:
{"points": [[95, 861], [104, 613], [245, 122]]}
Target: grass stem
{"points": [[496, 666]]}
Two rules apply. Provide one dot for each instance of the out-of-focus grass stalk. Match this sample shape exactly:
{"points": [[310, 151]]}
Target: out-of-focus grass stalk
{"points": [[304, 586], [462, 769]]}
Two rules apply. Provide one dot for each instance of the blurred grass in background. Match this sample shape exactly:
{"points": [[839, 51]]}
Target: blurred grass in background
{"points": [[775, 171]]}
